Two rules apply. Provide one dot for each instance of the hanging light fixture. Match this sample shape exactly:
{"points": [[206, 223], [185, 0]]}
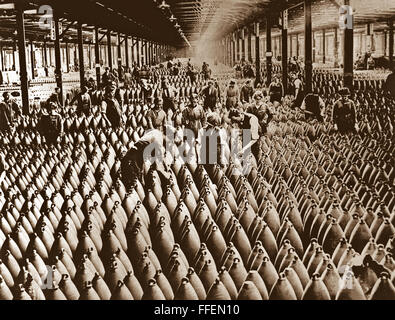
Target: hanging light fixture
{"points": [[172, 18], [163, 5]]}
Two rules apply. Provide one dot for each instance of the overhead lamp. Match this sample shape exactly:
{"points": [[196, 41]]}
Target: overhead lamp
{"points": [[163, 5], [172, 18], [177, 25], [33, 11]]}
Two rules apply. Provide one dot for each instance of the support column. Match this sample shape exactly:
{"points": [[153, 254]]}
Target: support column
{"points": [[284, 56], [2, 58], [148, 51], [90, 55], [269, 52], [119, 54], [238, 45], [132, 47], [257, 55], [127, 51], [97, 57], [151, 54], [13, 56], [233, 47], [67, 56], [58, 62], [308, 48], [138, 52], [243, 44], [20, 24], [314, 48], [297, 45], [32, 62], [249, 44], [226, 50], [324, 46], [336, 48], [81, 56], [109, 49], [391, 41], [349, 51], [146, 57]]}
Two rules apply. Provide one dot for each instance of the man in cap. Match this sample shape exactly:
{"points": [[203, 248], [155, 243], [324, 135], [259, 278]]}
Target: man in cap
{"points": [[84, 103], [299, 91], [194, 116], [7, 113], [232, 95], [261, 110], [246, 92], [55, 98], [147, 90], [313, 106], [106, 78], [210, 96], [147, 152], [344, 116], [111, 106], [156, 116], [169, 94], [51, 124], [250, 123], [213, 147]]}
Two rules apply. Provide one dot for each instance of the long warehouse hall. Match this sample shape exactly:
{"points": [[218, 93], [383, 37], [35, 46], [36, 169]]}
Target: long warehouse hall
{"points": [[197, 150]]}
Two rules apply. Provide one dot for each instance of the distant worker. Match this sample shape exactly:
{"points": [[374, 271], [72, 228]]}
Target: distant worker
{"points": [[7, 113], [232, 95], [156, 116], [51, 124], [149, 150], [210, 95], [389, 87], [313, 106], [112, 108], [246, 92], [84, 103], [344, 115]]}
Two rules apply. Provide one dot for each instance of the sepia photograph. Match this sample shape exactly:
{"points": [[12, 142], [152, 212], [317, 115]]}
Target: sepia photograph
{"points": [[197, 154]]}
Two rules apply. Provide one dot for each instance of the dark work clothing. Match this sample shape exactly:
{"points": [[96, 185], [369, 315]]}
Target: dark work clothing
{"points": [[390, 84], [6, 116], [276, 92], [168, 96], [344, 115], [84, 104], [192, 74], [50, 127], [132, 164], [312, 105], [194, 118], [107, 79], [96, 98], [246, 93], [114, 112], [210, 97], [263, 114], [147, 92]]}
